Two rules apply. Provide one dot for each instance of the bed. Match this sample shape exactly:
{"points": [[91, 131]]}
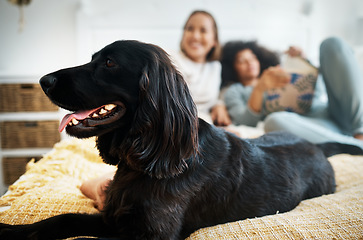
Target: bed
{"points": [[50, 187]]}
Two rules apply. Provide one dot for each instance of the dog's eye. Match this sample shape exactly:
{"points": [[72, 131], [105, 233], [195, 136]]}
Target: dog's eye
{"points": [[110, 63]]}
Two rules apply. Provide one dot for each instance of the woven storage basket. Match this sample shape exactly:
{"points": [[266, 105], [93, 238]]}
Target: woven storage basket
{"points": [[28, 134], [23, 98], [14, 167]]}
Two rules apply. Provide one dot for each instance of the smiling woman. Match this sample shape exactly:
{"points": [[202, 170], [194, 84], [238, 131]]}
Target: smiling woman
{"points": [[200, 38], [198, 63]]}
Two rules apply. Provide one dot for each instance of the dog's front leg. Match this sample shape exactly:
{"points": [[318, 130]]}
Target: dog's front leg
{"points": [[58, 227], [152, 221]]}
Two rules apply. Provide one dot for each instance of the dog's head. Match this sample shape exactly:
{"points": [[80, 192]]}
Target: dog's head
{"points": [[131, 96]]}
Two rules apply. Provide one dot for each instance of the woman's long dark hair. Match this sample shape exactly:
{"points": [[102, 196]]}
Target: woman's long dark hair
{"points": [[266, 58]]}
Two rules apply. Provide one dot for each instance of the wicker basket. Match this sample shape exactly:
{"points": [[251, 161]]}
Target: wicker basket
{"points": [[23, 98], [27, 134], [14, 167]]}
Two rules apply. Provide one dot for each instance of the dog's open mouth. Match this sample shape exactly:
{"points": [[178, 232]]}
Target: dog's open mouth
{"points": [[105, 114]]}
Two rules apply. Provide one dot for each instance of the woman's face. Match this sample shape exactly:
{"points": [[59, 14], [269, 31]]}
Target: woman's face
{"points": [[198, 37], [246, 65]]}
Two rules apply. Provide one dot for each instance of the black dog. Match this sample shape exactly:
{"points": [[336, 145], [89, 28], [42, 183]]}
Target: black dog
{"points": [[176, 173]]}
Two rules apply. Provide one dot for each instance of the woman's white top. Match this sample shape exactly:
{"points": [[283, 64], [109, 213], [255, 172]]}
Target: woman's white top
{"points": [[203, 79]]}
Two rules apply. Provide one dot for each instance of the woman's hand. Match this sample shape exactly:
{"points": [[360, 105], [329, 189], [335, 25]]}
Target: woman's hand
{"points": [[273, 77], [220, 116], [295, 51]]}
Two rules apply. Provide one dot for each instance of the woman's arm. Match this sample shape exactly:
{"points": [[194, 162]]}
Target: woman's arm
{"points": [[236, 99], [219, 115], [219, 112]]}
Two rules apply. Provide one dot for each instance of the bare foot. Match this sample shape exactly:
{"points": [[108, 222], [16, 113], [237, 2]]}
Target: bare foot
{"points": [[95, 189]]}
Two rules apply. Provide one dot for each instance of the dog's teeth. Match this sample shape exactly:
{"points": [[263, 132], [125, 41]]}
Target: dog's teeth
{"points": [[102, 111], [75, 121], [70, 124], [109, 107], [95, 115]]}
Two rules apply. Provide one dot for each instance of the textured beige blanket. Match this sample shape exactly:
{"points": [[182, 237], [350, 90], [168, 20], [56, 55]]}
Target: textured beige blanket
{"points": [[51, 187]]}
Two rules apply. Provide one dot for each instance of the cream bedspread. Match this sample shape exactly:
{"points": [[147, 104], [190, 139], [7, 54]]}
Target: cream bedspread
{"points": [[51, 187]]}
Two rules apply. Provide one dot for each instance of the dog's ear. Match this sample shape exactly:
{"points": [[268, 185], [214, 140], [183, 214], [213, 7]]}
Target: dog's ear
{"points": [[165, 128]]}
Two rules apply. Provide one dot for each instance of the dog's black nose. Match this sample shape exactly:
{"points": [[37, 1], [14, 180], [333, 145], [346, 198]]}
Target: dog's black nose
{"points": [[47, 82]]}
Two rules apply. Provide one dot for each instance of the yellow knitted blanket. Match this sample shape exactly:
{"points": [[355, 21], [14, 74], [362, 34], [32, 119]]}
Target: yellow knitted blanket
{"points": [[51, 187]]}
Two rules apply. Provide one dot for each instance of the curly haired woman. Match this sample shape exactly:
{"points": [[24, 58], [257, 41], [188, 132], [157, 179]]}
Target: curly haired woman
{"points": [[252, 70]]}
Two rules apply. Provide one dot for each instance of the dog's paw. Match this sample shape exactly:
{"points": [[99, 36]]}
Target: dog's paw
{"points": [[7, 232], [13, 232]]}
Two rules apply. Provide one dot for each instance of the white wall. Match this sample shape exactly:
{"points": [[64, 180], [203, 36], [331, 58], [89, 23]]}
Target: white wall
{"points": [[161, 22], [59, 34], [276, 24], [47, 41]]}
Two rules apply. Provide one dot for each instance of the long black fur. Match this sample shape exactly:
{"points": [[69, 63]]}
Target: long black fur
{"points": [[176, 173]]}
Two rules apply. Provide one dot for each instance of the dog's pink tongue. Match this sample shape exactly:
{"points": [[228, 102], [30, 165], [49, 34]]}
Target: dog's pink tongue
{"points": [[79, 115]]}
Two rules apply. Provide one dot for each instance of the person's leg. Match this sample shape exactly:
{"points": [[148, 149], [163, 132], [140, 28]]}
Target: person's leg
{"points": [[315, 130], [344, 84]]}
